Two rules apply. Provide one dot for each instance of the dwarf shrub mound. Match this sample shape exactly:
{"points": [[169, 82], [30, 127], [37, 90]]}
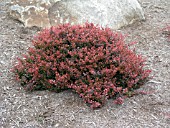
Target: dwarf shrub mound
{"points": [[92, 61]]}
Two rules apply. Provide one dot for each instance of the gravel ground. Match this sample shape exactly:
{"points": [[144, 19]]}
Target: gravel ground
{"points": [[44, 109]]}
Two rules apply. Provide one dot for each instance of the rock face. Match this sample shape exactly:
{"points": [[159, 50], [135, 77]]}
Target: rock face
{"points": [[46, 13], [32, 12]]}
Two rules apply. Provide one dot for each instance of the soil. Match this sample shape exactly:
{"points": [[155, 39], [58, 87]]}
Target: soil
{"points": [[44, 109]]}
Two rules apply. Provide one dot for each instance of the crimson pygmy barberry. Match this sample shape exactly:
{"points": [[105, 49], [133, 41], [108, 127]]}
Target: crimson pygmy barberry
{"points": [[94, 62]]}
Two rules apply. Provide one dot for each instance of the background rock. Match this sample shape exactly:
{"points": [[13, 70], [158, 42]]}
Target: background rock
{"points": [[114, 13], [46, 13], [32, 12]]}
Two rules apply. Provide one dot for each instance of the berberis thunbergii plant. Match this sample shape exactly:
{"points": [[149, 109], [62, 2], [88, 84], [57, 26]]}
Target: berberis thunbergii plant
{"points": [[93, 61]]}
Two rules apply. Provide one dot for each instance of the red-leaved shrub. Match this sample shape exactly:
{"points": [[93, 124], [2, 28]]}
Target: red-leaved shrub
{"points": [[93, 61]]}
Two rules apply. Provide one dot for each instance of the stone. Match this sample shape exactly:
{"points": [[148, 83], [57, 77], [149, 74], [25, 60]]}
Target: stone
{"points": [[32, 12], [46, 13]]}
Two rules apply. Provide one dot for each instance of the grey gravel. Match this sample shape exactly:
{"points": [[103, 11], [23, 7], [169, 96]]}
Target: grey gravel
{"points": [[44, 109]]}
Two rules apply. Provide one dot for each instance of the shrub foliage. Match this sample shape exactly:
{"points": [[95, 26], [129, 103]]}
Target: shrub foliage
{"points": [[92, 61]]}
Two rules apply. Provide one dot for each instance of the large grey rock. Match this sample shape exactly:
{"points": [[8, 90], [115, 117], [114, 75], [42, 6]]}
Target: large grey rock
{"points": [[46, 13]]}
